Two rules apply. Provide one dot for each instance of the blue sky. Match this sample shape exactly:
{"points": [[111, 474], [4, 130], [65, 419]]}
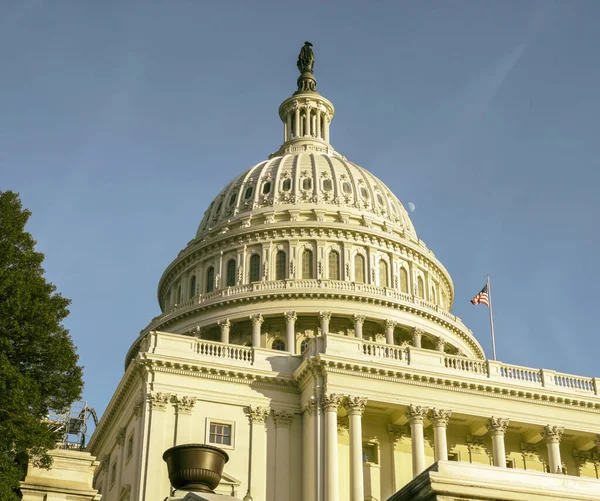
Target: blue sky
{"points": [[121, 120]]}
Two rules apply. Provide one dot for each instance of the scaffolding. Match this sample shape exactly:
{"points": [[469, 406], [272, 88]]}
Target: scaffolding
{"points": [[72, 426]]}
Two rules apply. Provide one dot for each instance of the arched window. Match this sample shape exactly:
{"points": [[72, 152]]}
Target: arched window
{"points": [[210, 279], [383, 274], [403, 280], [230, 273], [286, 185], [307, 264], [334, 265], [249, 192], [255, 268], [420, 287], [280, 265], [433, 297], [278, 345], [303, 346], [359, 269], [193, 286]]}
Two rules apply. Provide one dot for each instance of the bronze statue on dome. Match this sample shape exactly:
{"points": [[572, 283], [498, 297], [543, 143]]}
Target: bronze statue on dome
{"points": [[306, 59]]}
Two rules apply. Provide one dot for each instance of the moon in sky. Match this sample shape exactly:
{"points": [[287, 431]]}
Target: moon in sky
{"points": [[411, 206]]}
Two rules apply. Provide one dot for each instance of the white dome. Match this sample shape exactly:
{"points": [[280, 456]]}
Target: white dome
{"points": [[310, 181]]}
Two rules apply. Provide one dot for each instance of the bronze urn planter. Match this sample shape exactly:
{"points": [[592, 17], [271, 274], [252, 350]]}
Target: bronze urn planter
{"points": [[195, 467]]}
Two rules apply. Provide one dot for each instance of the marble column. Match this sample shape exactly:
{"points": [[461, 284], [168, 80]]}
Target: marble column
{"points": [[553, 434], [417, 335], [324, 317], [319, 118], [289, 127], [257, 321], [359, 320], [297, 122], [439, 344], [439, 421], [355, 406], [257, 474], [156, 485], [282, 475], [326, 135], [309, 439], [307, 121], [331, 402], [416, 415], [389, 331], [497, 427], [290, 331], [225, 328], [396, 434], [184, 407]]}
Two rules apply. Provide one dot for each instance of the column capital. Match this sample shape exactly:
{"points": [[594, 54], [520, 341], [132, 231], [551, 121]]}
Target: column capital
{"points": [[440, 417], [553, 434], [325, 315], [359, 319], [331, 401], [497, 425], [343, 426], [417, 332], [158, 401], [355, 405], [440, 342], [397, 432], [224, 324], [121, 436], [183, 404], [257, 319], [416, 413], [390, 324], [257, 414], [137, 407], [282, 419], [290, 316], [309, 405]]}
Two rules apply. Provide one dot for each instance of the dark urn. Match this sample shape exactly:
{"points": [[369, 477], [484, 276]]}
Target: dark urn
{"points": [[195, 467]]}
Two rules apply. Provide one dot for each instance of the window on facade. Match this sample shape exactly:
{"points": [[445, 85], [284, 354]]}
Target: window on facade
{"points": [[334, 265], [219, 208], [280, 266], [383, 274], [248, 193], [432, 297], [403, 280], [510, 463], [370, 453], [346, 188], [210, 279], [267, 188], [287, 185], [327, 185], [303, 346], [307, 183], [113, 473], [307, 264], [230, 273], [220, 434], [364, 193], [232, 199], [130, 446], [453, 456], [379, 199], [359, 268], [193, 286], [420, 288], [179, 294], [255, 268], [278, 345]]}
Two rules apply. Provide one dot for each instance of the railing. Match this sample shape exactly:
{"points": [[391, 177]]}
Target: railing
{"points": [[466, 365], [226, 351], [578, 383], [524, 374], [380, 350]]}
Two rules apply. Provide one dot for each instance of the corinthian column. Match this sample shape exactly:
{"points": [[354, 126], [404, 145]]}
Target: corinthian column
{"points": [[331, 402], [359, 320], [290, 331], [325, 316], [439, 421], [497, 427], [225, 327], [553, 434], [417, 335], [257, 474], [355, 407], [416, 415], [257, 321], [389, 331], [282, 454], [309, 443]]}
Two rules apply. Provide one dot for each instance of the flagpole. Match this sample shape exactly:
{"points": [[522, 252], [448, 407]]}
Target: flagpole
{"points": [[489, 288]]}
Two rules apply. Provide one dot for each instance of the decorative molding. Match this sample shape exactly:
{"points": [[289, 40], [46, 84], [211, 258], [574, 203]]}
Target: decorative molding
{"points": [[359, 319], [325, 315], [530, 451], [440, 417], [121, 435], [497, 425], [397, 433], [257, 414], [343, 426], [183, 404], [331, 402], [282, 419], [137, 407], [309, 406], [158, 401], [552, 433], [257, 319], [290, 316], [475, 444], [390, 324], [416, 413], [355, 405], [224, 324]]}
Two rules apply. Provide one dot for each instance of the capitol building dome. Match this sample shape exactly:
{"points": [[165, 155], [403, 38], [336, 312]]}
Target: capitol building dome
{"points": [[307, 242]]}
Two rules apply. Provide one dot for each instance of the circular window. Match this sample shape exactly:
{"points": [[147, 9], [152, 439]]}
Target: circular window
{"points": [[346, 188], [249, 192]]}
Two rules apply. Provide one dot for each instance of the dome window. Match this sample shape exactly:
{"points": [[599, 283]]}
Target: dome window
{"points": [[327, 185], [250, 190], [255, 268], [267, 188], [403, 280], [286, 185], [280, 265], [383, 274], [278, 345], [380, 199], [230, 273], [334, 265], [420, 288], [307, 183], [359, 269], [210, 279], [219, 208], [307, 264], [346, 188], [193, 286], [232, 199], [364, 193]]}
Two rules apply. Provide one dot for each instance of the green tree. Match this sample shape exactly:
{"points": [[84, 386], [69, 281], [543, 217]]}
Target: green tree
{"points": [[38, 361]]}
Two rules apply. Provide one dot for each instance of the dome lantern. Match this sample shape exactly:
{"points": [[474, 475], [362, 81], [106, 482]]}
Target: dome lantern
{"points": [[306, 115]]}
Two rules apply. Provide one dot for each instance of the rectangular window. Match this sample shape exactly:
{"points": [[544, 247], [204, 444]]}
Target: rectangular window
{"points": [[130, 446], [510, 463], [220, 434], [113, 473], [370, 453], [453, 456]]}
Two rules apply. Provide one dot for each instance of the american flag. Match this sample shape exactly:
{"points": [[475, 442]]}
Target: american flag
{"points": [[482, 297]]}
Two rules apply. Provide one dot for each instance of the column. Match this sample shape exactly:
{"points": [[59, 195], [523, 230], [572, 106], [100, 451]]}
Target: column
{"points": [[282, 454], [331, 402], [257, 468], [309, 486], [297, 122], [355, 406], [285, 131], [319, 118], [389, 331], [396, 434], [497, 427], [553, 434], [289, 126], [439, 420], [121, 434], [183, 412], [325, 317], [326, 128], [225, 327], [416, 415], [290, 331], [359, 320], [439, 344], [156, 481], [307, 121], [257, 321], [417, 335]]}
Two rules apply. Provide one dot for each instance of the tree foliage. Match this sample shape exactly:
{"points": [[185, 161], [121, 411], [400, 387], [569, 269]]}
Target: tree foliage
{"points": [[38, 361]]}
